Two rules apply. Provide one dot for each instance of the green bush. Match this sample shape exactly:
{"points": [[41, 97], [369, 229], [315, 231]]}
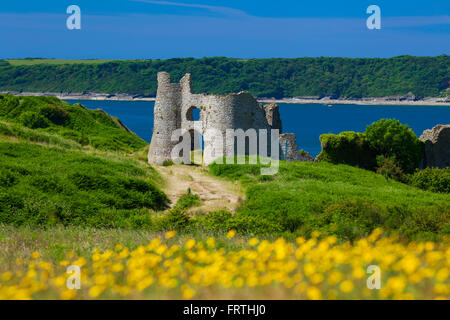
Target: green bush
{"points": [[387, 138], [254, 225], [389, 168], [222, 221], [217, 221], [33, 120], [55, 114], [7, 178], [351, 219], [187, 201], [432, 179], [348, 147], [390, 138], [175, 220]]}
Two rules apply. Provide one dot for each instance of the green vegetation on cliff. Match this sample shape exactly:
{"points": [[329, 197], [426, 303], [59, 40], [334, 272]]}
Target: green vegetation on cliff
{"points": [[50, 116], [344, 77]]}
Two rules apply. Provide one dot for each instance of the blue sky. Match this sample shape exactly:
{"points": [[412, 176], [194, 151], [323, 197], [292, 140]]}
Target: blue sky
{"points": [[124, 29]]}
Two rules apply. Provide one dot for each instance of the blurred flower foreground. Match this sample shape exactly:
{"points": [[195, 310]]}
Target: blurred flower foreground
{"points": [[171, 268]]}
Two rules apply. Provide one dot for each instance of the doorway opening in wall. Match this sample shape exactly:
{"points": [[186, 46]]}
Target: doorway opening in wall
{"points": [[197, 147], [193, 114]]}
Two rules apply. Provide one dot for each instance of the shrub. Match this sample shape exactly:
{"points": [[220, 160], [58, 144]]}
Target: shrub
{"points": [[254, 225], [7, 178], [390, 138], [216, 221], [389, 168], [422, 223], [49, 184], [33, 120], [175, 220], [223, 221], [347, 147], [187, 201], [351, 219], [55, 114], [432, 179]]}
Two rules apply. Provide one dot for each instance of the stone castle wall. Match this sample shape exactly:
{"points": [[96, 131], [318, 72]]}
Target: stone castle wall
{"points": [[437, 146], [174, 107]]}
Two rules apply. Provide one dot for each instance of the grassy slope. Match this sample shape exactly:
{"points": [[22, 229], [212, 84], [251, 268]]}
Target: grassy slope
{"points": [[47, 177], [42, 185], [74, 122], [339, 199]]}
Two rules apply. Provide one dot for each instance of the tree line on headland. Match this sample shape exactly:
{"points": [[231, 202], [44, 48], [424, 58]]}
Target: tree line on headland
{"points": [[278, 78]]}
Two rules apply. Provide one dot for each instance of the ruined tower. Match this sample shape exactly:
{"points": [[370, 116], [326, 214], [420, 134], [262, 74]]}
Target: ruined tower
{"points": [[174, 110], [166, 118]]}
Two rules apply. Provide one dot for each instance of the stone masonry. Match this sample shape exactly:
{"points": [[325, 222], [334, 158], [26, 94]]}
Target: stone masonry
{"points": [[174, 109], [437, 146]]}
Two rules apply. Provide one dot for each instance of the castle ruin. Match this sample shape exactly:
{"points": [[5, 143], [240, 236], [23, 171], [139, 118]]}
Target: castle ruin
{"points": [[176, 106]]}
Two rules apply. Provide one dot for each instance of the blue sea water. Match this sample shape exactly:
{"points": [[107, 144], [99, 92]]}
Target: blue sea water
{"points": [[307, 121]]}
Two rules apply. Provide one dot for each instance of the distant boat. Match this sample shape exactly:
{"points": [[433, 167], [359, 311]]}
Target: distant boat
{"points": [[330, 105]]}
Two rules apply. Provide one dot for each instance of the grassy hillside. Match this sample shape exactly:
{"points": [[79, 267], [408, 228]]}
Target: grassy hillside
{"points": [[344, 77], [41, 185], [49, 115], [57, 168], [338, 199]]}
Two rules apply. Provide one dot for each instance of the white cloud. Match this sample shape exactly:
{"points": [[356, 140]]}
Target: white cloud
{"points": [[226, 11]]}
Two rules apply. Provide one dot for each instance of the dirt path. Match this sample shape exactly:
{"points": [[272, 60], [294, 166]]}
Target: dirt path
{"points": [[215, 193]]}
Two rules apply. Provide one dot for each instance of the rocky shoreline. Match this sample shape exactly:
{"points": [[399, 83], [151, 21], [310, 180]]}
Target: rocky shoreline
{"points": [[406, 101]]}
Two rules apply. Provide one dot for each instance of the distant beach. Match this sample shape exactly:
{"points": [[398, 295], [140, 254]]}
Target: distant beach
{"points": [[431, 101]]}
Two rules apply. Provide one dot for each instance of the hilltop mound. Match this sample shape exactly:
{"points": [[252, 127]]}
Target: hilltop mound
{"points": [[73, 122]]}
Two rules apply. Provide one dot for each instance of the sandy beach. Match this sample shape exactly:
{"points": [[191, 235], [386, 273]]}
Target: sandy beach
{"points": [[432, 101]]}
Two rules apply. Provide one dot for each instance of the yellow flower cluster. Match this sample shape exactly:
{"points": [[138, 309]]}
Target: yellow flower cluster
{"points": [[305, 269]]}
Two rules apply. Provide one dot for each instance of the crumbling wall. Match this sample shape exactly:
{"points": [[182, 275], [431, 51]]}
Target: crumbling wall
{"points": [[173, 110], [437, 146], [273, 116]]}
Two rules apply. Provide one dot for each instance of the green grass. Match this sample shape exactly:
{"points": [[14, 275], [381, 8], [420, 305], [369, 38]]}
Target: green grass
{"points": [[67, 165], [55, 242], [51, 116], [188, 201], [42, 185], [338, 199]]}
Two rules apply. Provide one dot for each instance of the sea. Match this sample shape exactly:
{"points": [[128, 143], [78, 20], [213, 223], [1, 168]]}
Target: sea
{"points": [[307, 121]]}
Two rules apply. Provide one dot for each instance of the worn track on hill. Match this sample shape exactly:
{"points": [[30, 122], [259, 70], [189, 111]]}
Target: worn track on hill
{"points": [[214, 193]]}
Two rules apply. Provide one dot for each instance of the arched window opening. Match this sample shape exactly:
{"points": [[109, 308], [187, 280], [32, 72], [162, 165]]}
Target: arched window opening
{"points": [[193, 114]]}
